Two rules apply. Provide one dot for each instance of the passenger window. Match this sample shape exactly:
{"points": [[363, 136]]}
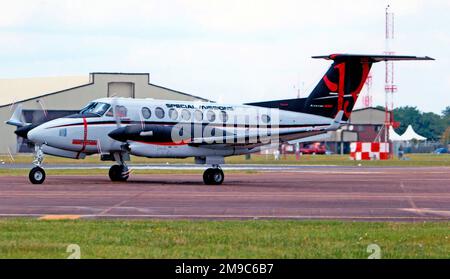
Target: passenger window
{"points": [[223, 116], [185, 114], [173, 114], [211, 116], [121, 111], [159, 112], [146, 113], [265, 118], [198, 115]]}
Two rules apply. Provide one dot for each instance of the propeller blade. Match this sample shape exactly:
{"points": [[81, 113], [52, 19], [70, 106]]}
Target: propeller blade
{"points": [[115, 114]]}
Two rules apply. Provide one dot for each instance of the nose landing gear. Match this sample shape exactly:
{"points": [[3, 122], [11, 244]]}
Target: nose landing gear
{"points": [[213, 176], [37, 174]]}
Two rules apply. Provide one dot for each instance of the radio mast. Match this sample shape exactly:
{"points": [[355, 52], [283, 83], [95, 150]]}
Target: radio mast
{"points": [[389, 87]]}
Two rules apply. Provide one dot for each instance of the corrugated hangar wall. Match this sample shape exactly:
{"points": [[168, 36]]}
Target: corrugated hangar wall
{"points": [[73, 99]]}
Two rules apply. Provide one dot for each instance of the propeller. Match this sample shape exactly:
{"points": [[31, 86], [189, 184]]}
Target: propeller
{"points": [[115, 114], [122, 133], [118, 133]]}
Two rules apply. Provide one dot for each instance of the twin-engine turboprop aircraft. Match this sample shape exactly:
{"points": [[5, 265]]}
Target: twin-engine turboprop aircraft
{"points": [[118, 127]]}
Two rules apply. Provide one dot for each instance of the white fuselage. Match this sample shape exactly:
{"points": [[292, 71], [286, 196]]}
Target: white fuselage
{"points": [[87, 133]]}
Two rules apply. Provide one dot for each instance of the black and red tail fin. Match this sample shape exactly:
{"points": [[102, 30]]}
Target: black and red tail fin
{"points": [[340, 86]]}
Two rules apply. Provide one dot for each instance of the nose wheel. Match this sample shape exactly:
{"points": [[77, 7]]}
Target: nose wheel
{"points": [[37, 175], [213, 176]]}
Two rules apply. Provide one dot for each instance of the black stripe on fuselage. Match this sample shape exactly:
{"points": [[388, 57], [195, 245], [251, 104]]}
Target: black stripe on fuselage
{"points": [[130, 122]]}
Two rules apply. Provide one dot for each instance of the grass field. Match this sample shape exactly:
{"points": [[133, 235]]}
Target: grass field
{"points": [[31, 238], [341, 160]]}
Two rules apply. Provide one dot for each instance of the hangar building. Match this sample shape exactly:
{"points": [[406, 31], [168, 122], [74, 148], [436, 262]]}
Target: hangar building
{"points": [[59, 96], [365, 125]]}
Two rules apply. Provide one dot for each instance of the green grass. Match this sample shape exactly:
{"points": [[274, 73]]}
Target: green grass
{"points": [[31, 238], [341, 160]]}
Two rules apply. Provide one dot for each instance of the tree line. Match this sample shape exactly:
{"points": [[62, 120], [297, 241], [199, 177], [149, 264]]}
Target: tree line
{"points": [[428, 124]]}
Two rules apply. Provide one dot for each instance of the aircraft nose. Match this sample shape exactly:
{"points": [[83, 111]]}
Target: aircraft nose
{"points": [[35, 135]]}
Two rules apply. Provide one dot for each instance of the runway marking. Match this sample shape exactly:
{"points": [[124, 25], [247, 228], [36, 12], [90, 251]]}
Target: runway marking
{"points": [[216, 216], [444, 213], [59, 217], [227, 193], [121, 203], [244, 217], [410, 200]]}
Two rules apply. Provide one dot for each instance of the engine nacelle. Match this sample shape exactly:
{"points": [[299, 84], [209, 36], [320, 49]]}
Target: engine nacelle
{"points": [[146, 133]]}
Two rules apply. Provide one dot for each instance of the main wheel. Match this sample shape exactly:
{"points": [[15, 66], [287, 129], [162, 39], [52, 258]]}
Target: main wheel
{"points": [[118, 173], [37, 175], [213, 176]]}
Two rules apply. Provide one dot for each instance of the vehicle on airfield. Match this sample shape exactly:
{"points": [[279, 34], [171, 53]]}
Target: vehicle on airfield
{"points": [[314, 149], [116, 128], [441, 150]]}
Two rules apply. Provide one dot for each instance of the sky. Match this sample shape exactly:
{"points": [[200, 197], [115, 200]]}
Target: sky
{"points": [[229, 51]]}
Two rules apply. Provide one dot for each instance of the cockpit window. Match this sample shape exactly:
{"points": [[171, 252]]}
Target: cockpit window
{"points": [[96, 108], [110, 113]]}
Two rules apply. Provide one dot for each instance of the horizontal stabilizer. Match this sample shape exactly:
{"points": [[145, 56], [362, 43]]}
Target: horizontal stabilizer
{"points": [[320, 137], [336, 121], [372, 57]]}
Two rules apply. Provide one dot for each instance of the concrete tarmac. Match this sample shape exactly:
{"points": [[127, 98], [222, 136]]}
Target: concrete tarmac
{"points": [[333, 193]]}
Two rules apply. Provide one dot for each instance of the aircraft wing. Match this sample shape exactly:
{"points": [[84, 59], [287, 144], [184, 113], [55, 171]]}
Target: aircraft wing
{"points": [[259, 137]]}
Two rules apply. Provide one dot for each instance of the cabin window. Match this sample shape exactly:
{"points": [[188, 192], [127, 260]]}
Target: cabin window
{"points": [[210, 115], [173, 114], [223, 116], [185, 114], [159, 112], [198, 115], [146, 113], [121, 111], [265, 118]]}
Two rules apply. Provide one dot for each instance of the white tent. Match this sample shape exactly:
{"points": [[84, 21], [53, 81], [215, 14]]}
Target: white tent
{"points": [[393, 136], [410, 134]]}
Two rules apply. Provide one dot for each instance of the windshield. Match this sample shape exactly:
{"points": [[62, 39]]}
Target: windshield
{"points": [[96, 108]]}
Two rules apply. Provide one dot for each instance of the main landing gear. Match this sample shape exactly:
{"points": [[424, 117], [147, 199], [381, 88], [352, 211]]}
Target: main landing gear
{"points": [[37, 174], [119, 172], [213, 176]]}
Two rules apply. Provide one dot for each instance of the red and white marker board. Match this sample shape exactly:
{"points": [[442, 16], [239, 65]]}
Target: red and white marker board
{"points": [[369, 150]]}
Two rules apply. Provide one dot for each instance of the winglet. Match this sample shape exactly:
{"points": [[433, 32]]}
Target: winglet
{"points": [[336, 121], [15, 118]]}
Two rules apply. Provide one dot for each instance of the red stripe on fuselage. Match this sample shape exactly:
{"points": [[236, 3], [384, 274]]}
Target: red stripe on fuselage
{"points": [[87, 142], [85, 130]]}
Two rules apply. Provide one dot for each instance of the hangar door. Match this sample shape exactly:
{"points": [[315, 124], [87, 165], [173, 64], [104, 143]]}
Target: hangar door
{"points": [[121, 89]]}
